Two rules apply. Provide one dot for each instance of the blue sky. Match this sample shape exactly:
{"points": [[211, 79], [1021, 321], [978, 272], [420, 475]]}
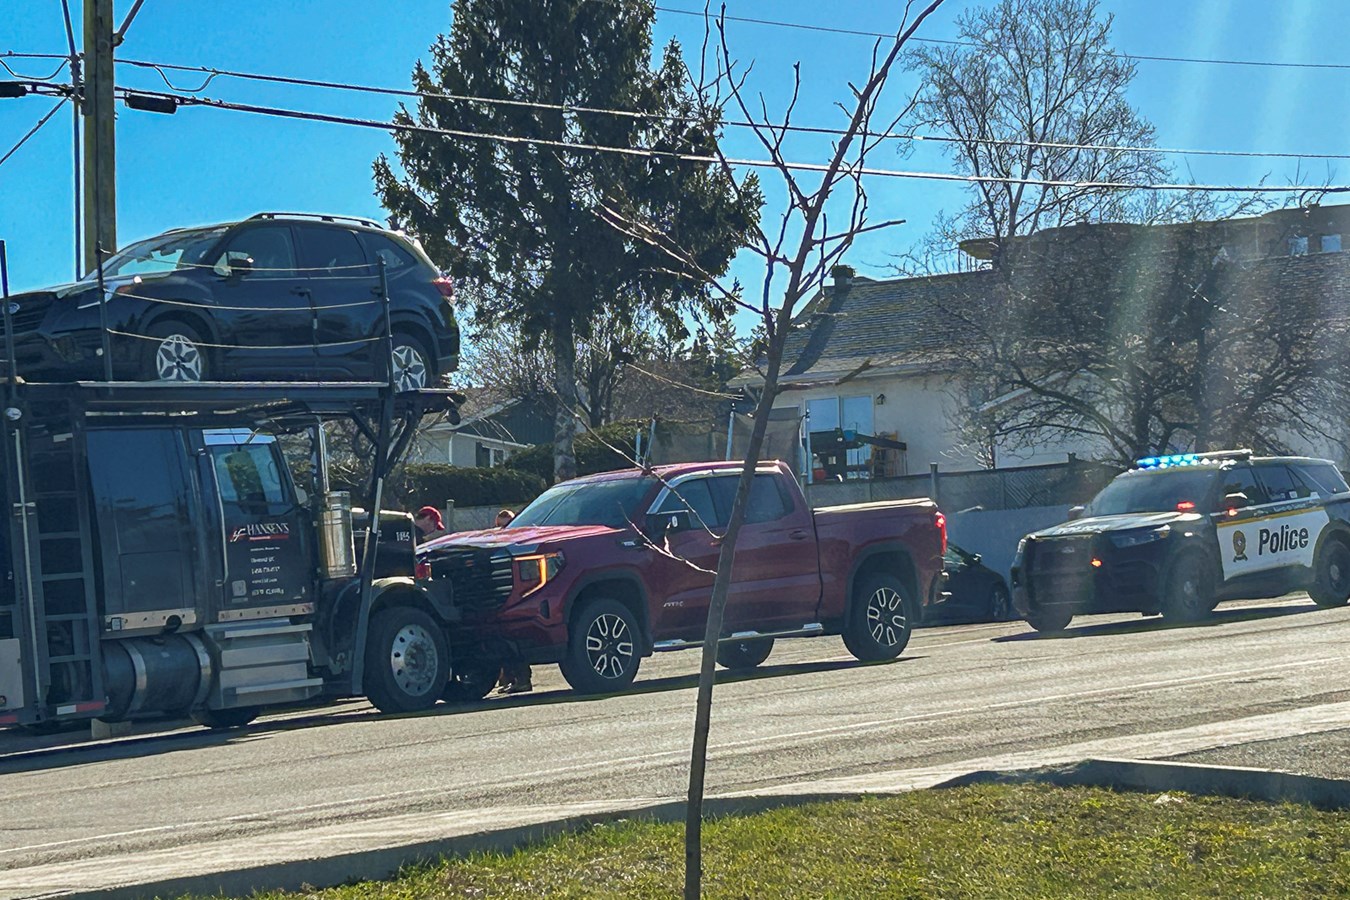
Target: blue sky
{"points": [[205, 165]]}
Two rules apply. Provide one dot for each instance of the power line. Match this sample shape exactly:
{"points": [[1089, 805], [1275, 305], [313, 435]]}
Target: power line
{"points": [[848, 169], [213, 73], [884, 34], [32, 131]]}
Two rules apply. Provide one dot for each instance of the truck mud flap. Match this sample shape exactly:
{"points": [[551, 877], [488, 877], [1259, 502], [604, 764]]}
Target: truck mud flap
{"points": [[260, 663]]}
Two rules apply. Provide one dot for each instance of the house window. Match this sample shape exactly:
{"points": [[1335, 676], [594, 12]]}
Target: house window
{"points": [[486, 457], [835, 423], [1298, 246], [1331, 243]]}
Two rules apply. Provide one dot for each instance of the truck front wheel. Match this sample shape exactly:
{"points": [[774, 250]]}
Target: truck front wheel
{"points": [[880, 618], [603, 648], [407, 660]]}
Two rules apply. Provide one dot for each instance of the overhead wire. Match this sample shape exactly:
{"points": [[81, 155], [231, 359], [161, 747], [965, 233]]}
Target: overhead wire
{"points": [[916, 137], [34, 130], [848, 170]]}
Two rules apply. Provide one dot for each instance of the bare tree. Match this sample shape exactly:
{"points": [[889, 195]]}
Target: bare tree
{"points": [[814, 231]]}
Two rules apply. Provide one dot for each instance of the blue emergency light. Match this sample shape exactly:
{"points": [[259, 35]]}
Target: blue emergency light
{"points": [[1190, 459]]}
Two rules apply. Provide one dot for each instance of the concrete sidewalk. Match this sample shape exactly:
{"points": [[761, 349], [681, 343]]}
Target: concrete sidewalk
{"points": [[376, 848]]}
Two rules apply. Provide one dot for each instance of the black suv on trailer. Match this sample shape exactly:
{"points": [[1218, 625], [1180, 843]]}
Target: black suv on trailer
{"points": [[286, 296], [1178, 534]]}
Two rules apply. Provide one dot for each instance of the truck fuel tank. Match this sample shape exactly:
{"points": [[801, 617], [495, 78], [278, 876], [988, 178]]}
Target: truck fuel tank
{"points": [[335, 536]]}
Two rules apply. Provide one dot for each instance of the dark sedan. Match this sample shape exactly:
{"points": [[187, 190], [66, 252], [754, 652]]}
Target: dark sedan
{"points": [[977, 592], [278, 296]]}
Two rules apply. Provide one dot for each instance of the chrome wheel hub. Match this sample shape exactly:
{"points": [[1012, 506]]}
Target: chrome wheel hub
{"points": [[413, 660], [609, 646]]}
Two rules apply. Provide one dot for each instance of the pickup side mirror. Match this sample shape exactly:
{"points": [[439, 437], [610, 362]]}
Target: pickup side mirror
{"points": [[1076, 512], [1235, 501], [975, 559], [660, 524]]}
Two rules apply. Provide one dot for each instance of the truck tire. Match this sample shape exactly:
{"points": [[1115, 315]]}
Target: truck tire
{"points": [[1187, 588], [1331, 581], [738, 655], [880, 618], [407, 660], [470, 682], [603, 652], [1048, 621], [234, 717]]}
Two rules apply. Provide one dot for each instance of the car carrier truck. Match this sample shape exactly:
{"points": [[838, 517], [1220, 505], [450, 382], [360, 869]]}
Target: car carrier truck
{"points": [[157, 556]]}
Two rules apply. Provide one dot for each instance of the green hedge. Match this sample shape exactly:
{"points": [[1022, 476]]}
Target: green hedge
{"points": [[434, 483], [591, 451]]}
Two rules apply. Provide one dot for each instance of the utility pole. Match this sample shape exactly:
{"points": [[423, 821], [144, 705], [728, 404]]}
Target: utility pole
{"points": [[100, 152]]}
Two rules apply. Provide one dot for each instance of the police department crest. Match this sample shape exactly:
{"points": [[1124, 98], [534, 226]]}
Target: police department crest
{"points": [[1239, 546]]}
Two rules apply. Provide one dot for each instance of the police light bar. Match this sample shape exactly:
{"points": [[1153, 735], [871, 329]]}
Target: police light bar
{"points": [[1190, 459]]}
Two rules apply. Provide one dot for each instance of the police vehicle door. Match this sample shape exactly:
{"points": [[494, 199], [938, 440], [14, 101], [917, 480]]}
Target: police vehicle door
{"points": [[266, 561], [1277, 528]]}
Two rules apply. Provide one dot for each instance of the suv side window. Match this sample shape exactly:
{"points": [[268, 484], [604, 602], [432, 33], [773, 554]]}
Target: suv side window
{"points": [[692, 495], [1240, 480], [331, 251], [1281, 484], [270, 248], [1322, 478], [395, 257]]}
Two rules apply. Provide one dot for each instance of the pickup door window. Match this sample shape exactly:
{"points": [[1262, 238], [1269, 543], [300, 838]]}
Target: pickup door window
{"points": [[685, 581], [776, 577]]}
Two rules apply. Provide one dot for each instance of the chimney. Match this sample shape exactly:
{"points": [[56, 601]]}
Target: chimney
{"points": [[843, 278]]}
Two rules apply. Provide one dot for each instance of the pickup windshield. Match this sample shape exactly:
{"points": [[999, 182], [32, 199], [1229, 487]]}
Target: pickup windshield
{"points": [[612, 503], [1138, 492]]}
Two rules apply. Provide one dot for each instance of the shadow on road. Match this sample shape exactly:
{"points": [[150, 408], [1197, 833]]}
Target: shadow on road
{"points": [[75, 754], [1157, 623]]}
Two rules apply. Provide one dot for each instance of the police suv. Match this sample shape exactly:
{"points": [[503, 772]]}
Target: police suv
{"points": [[1178, 534]]}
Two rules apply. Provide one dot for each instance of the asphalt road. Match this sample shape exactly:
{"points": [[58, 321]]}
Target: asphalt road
{"points": [[1269, 673]]}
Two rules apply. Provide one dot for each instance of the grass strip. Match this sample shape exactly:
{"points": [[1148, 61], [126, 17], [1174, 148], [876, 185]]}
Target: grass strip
{"points": [[1004, 841]]}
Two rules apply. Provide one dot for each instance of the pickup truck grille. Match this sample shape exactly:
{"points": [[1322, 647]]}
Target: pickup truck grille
{"points": [[481, 579], [1060, 570]]}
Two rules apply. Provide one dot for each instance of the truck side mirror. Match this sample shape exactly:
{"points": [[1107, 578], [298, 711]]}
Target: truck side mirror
{"points": [[1076, 512], [975, 559]]}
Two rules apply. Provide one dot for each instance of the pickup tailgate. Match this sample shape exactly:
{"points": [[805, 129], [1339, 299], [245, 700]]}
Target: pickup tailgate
{"points": [[849, 534]]}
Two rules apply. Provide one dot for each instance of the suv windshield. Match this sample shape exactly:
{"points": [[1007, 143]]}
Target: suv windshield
{"points": [[611, 503], [1136, 492], [161, 254]]}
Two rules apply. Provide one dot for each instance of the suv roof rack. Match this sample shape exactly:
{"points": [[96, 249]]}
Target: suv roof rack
{"points": [[322, 217], [1191, 459]]}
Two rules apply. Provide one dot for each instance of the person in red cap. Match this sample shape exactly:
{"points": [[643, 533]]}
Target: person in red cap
{"points": [[428, 522]]}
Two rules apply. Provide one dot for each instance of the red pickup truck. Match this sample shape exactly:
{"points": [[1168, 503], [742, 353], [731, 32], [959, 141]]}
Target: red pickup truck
{"points": [[601, 571]]}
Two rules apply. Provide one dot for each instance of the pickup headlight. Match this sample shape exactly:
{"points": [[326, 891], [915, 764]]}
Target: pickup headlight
{"points": [[533, 572], [1143, 536]]}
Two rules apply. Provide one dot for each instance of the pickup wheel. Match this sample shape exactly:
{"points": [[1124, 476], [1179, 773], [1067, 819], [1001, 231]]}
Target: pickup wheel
{"points": [[235, 717], [603, 649], [880, 618], [470, 682], [407, 660], [1331, 585], [736, 655]]}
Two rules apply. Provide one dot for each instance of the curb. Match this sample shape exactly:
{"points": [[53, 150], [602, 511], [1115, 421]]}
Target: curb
{"points": [[1118, 774]]}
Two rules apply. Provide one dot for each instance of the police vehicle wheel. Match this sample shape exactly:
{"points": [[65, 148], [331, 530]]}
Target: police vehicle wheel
{"points": [[880, 618], [737, 655], [1331, 585], [1000, 603], [604, 648], [470, 682], [219, 719], [407, 660], [1049, 620], [1188, 589]]}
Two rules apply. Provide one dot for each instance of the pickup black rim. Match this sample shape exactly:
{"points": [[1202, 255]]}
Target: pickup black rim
{"points": [[609, 646], [413, 660], [886, 617]]}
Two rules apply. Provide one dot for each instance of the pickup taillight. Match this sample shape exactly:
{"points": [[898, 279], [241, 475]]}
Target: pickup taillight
{"points": [[941, 522]]}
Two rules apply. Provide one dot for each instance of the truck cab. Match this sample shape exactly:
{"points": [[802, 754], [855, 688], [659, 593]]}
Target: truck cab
{"points": [[163, 560]]}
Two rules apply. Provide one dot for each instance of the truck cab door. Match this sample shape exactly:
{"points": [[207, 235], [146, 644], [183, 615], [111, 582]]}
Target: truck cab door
{"points": [[266, 564]]}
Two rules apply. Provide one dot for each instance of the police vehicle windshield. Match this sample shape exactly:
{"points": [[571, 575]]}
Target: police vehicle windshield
{"points": [[1157, 491]]}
